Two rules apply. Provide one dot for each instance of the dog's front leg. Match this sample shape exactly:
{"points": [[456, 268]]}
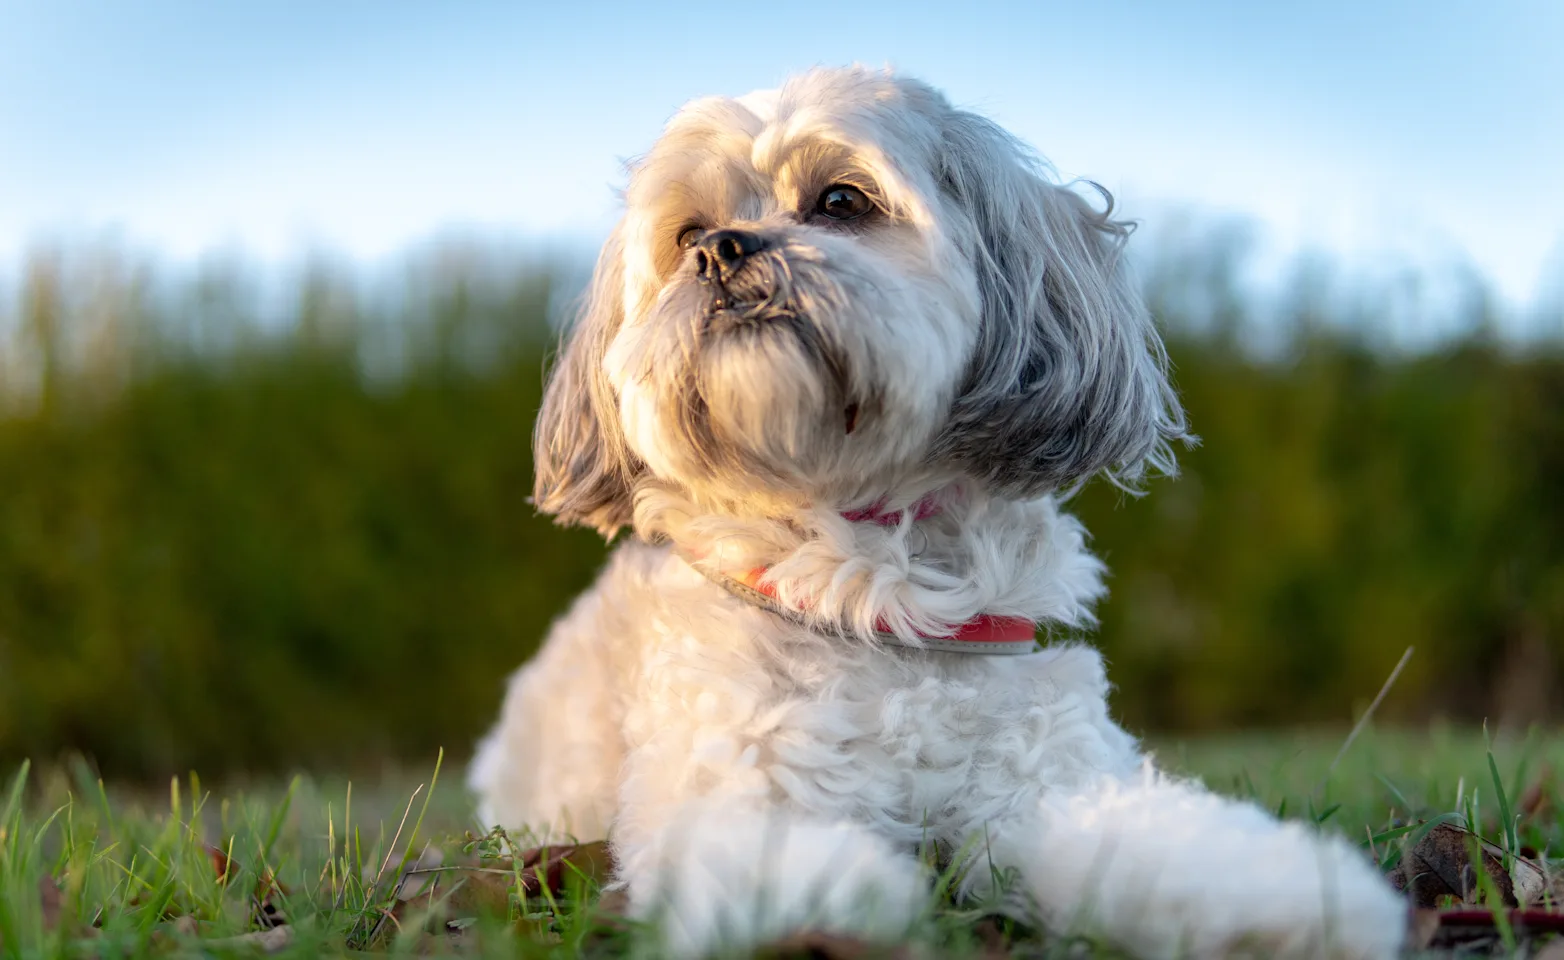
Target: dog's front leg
{"points": [[720, 876], [1165, 868]]}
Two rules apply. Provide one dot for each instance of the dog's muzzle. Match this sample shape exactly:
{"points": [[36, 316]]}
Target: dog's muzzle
{"points": [[725, 263]]}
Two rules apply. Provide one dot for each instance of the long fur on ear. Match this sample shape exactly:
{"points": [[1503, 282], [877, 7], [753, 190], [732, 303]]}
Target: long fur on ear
{"points": [[1069, 377], [583, 467]]}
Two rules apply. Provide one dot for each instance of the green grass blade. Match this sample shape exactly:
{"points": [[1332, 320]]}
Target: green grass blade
{"points": [[13, 804], [1507, 825], [1406, 805], [274, 824]]}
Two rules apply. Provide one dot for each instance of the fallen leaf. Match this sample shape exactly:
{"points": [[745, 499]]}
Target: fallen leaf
{"points": [[420, 874], [435, 898], [264, 910], [1467, 929], [221, 865], [461, 892], [1440, 866], [551, 868]]}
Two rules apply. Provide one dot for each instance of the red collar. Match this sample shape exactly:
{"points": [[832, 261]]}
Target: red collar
{"points": [[929, 506], [984, 634]]}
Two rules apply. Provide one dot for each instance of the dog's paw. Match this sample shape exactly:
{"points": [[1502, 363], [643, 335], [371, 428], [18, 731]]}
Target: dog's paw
{"points": [[725, 883], [1167, 869]]}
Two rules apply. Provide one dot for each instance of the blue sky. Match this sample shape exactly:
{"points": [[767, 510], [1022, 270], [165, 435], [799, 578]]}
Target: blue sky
{"points": [[1424, 131]]}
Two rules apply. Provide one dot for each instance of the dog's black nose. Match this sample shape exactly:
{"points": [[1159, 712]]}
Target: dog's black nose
{"points": [[720, 253]]}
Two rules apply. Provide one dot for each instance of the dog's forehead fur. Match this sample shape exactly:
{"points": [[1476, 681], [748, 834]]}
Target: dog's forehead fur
{"points": [[769, 151]]}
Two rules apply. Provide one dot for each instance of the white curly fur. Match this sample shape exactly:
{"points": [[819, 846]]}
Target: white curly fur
{"points": [[760, 776]]}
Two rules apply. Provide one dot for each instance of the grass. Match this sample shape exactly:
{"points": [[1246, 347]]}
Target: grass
{"points": [[90, 870]]}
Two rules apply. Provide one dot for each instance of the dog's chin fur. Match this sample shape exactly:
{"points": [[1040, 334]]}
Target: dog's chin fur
{"points": [[974, 342]]}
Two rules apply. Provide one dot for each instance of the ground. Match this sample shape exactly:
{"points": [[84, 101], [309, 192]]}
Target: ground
{"points": [[312, 867]]}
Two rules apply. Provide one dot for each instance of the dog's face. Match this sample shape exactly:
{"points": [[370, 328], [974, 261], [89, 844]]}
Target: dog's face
{"points": [[820, 293]]}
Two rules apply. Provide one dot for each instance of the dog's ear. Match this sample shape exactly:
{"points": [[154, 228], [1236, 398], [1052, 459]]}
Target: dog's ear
{"points": [[1069, 378], [583, 466]]}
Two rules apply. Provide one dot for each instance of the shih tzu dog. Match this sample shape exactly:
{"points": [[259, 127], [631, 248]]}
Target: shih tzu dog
{"points": [[838, 363]]}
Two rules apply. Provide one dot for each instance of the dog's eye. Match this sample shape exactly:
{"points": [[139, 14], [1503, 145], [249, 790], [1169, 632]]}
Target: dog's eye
{"points": [[842, 202], [690, 236]]}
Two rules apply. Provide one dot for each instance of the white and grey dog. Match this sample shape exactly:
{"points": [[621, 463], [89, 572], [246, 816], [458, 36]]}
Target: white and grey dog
{"points": [[837, 362]]}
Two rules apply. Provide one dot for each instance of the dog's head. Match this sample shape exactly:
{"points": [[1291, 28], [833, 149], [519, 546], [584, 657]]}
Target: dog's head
{"points": [[829, 291]]}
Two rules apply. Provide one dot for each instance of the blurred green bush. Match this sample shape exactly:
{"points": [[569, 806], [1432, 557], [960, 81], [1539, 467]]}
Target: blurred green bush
{"points": [[244, 529]]}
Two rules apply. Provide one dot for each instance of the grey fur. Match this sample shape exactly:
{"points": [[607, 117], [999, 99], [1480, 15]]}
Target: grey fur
{"points": [[1070, 377]]}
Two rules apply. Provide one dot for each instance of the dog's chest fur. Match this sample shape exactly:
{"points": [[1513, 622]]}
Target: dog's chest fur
{"points": [[731, 700]]}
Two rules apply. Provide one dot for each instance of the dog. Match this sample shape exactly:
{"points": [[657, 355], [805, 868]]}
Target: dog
{"points": [[841, 360]]}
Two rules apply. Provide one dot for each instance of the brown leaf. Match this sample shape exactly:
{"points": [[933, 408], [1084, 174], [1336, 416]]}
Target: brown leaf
{"points": [[418, 876], [436, 899], [1440, 867], [1466, 929], [461, 892], [266, 913], [541, 869], [552, 867], [220, 863]]}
